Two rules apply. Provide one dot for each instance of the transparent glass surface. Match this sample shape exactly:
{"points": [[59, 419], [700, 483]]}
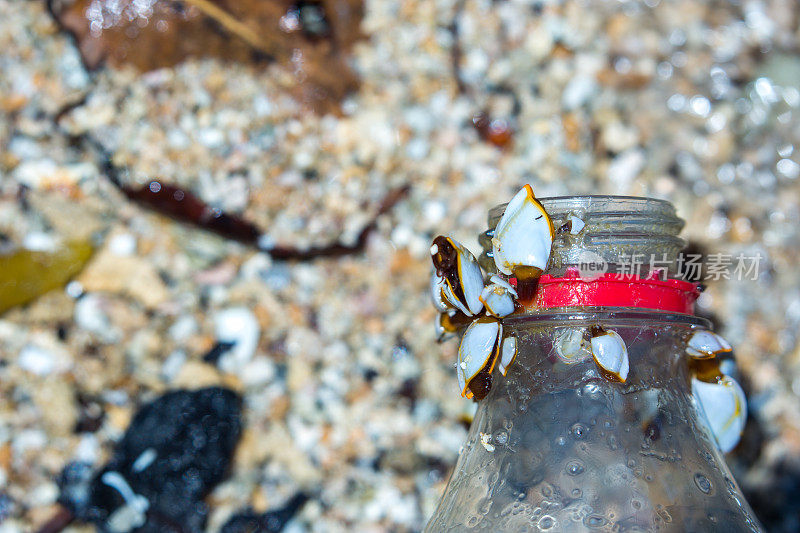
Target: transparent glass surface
{"points": [[556, 446]]}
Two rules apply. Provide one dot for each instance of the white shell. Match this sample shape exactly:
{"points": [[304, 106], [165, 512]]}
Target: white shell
{"points": [[508, 353], [569, 345], [437, 285], [576, 225], [611, 354], [724, 407], [485, 441], [478, 345], [704, 344], [524, 235], [498, 297], [239, 326], [471, 279]]}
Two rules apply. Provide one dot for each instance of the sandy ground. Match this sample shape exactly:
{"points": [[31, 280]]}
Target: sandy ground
{"points": [[346, 393]]}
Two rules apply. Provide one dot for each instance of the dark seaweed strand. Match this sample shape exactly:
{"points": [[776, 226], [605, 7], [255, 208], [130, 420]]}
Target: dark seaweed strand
{"points": [[337, 248], [184, 206]]}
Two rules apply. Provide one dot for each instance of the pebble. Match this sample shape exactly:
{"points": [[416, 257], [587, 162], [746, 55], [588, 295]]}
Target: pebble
{"points": [[90, 316], [130, 276], [578, 91], [625, 168], [237, 326], [39, 241], [37, 360]]}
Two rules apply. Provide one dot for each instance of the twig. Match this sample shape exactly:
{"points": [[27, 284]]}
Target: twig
{"points": [[229, 22]]}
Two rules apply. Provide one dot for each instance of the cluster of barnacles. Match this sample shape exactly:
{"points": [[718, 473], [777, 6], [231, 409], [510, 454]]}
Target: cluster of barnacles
{"points": [[467, 298], [463, 296], [520, 248]]}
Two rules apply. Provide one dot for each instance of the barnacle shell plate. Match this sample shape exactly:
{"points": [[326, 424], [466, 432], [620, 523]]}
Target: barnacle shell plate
{"points": [[508, 353], [576, 225], [569, 345], [611, 354], [724, 407], [470, 280], [498, 297], [524, 235], [704, 344], [437, 286], [478, 348]]}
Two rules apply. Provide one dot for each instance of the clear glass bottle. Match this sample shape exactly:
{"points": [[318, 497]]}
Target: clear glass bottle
{"points": [[557, 446]]}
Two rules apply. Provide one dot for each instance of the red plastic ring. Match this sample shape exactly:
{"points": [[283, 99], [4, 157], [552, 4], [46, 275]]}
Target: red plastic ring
{"points": [[615, 290]]}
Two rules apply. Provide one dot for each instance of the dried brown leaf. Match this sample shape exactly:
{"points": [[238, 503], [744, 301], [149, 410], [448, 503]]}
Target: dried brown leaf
{"points": [[312, 39]]}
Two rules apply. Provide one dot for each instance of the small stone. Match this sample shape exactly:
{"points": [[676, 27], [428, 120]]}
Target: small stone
{"points": [[122, 244], [37, 360], [55, 399], [618, 137], [578, 91], [624, 168], [90, 316], [131, 276]]}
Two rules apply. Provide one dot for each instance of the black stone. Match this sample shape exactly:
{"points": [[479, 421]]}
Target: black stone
{"points": [[191, 436]]}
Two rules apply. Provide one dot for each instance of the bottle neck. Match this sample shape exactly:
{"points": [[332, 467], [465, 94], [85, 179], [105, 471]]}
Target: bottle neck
{"points": [[608, 251], [652, 339]]}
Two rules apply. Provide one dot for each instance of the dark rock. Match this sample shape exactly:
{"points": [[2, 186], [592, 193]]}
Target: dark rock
{"points": [[175, 451]]}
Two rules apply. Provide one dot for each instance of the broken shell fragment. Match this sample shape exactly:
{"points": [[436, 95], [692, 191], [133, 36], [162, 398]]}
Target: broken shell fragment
{"points": [[498, 297], [508, 353], [576, 225], [461, 275], [610, 353], [524, 236], [437, 286], [477, 356], [486, 442], [570, 347], [724, 407], [704, 344]]}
